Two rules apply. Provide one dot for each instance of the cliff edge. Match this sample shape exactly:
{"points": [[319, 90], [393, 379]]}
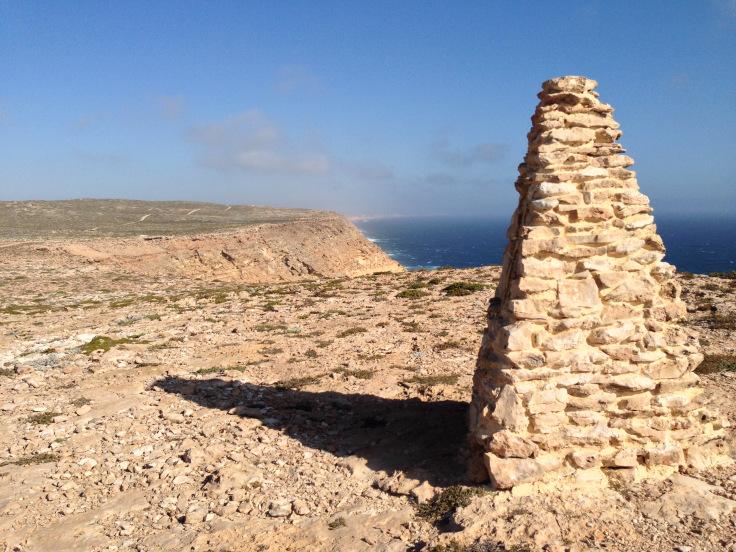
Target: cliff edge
{"points": [[200, 240]]}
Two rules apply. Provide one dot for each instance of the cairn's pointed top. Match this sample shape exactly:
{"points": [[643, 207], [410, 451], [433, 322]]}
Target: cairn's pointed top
{"points": [[569, 83]]}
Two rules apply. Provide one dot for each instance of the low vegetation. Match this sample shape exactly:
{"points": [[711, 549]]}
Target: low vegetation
{"points": [[713, 364], [721, 322], [336, 523], [411, 327], [270, 327], [43, 418], [443, 505], [460, 289], [298, 383], [362, 373], [40, 458], [412, 293], [437, 379], [451, 344], [480, 546], [222, 369], [105, 343], [351, 331], [81, 401], [724, 275]]}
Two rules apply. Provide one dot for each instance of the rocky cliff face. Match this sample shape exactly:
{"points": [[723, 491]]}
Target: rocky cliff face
{"points": [[206, 241], [327, 246]]}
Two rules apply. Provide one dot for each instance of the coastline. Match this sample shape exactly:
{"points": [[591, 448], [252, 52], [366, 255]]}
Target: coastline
{"points": [[693, 242]]}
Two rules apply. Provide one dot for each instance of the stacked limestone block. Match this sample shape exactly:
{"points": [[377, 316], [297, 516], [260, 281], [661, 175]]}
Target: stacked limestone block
{"points": [[583, 365]]}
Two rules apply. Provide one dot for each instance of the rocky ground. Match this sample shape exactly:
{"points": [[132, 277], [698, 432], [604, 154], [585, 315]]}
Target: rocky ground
{"points": [[162, 413]]}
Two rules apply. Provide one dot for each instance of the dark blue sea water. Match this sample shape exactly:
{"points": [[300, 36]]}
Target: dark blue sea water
{"points": [[696, 244]]}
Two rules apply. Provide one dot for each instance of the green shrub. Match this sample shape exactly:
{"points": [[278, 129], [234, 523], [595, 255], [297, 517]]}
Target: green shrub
{"points": [[81, 401], [442, 505], [298, 383], [452, 344], [351, 331], [412, 293], [40, 458], [721, 322], [105, 343], [717, 363], [363, 373], [411, 327], [459, 289], [336, 523], [724, 275], [43, 418], [211, 370], [269, 327], [437, 379]]}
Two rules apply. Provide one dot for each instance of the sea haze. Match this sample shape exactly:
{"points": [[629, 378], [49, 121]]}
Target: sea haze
{"points": [[698, 244]]}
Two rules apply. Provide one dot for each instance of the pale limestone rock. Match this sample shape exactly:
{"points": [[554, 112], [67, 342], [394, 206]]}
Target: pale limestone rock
{"points": [[509, 411], [549, 422], [507, 472], [669, 454], [563, 341], [279, 508], [423, 493], [519, 336], [689, 498], [578, 293], [585, 459], [583, 352], [626, 458], [506, 444], [638, 402], [634, 382], [548, 400]]}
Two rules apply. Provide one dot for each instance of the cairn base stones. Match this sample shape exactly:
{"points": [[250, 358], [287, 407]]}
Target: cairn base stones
{"points": [[583, 366]]}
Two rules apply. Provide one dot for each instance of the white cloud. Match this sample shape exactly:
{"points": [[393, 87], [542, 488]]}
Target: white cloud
{"points": [[443, 180], [84, 122], [726, 7], [466, 157], [251, 142], [101, 157], [296, 78], [171, 107], [363, 170]]}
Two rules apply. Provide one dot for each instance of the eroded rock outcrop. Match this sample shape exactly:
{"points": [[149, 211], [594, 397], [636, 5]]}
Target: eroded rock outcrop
{"points": [[319, 246], [583, 365]]}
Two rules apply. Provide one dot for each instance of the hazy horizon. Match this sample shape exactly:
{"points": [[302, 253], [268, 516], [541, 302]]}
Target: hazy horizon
{"points": [[365, 109]]}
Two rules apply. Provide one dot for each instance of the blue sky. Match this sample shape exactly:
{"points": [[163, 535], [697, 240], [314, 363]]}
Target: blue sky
{"points": [[361, 107]]}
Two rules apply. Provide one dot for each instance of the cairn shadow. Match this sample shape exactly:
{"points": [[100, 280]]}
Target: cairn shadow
{"points": [[425, 440]]}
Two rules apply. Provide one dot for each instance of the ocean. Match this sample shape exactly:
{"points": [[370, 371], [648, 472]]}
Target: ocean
{"points": [[697, 244]]}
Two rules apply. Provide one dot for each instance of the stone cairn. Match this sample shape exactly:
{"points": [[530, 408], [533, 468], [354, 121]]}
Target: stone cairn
{"points": [[583, 366]]}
